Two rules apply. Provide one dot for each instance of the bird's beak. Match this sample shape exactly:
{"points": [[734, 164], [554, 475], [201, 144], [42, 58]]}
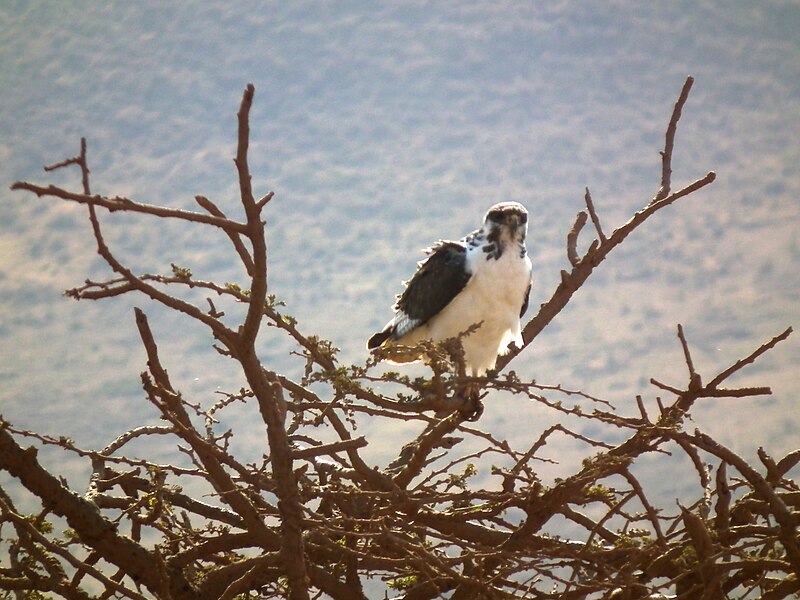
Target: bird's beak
{"points": [[513, 222]]}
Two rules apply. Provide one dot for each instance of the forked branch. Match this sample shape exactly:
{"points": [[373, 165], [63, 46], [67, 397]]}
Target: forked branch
{"points": [[582, 266]]}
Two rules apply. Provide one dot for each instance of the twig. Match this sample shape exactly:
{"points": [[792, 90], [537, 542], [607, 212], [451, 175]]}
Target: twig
{"points": [[595, 219], [788, 462], [642, 409], [235, 238], [263, 202], [652, 513], [616, 508], [697, 462], [134, 433], [343, 445], [694, 379], [735, 393], [118, 203], [572, 281], [79, 160], [749, 359], [782, 514], [572, 239], [255, 226], [174, 411], [665, 387], [669, 142], [81, 515], [423, 446]]}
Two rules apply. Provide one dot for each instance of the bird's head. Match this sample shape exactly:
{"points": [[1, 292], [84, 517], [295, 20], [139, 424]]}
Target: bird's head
{"points": [[507, 221]]}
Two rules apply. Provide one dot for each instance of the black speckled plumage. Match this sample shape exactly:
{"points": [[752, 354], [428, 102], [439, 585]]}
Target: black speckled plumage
{"points": [[483, 279], [439, 279]]}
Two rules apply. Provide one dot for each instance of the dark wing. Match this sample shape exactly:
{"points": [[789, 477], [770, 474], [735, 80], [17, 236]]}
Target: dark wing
{"points": [[525, 302], [439, 279]]}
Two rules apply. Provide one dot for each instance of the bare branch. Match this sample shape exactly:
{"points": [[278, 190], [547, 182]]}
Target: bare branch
{"points": [[133, 434], [572, 281], [461, 511], [174, 411], [82, 516], [314, 451], [593, 214], [749, 359], [572, 239], [782, 514], [271, 403], [255, 226], [235, 238], [118, 203], [669, 143], [694, 378]]}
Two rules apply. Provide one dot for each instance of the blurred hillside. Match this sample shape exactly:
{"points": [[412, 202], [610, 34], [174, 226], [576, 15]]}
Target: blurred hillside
{"points": [[382, 128]]}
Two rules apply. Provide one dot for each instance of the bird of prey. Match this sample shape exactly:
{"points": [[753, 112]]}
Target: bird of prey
{"points": [[481, 281]]}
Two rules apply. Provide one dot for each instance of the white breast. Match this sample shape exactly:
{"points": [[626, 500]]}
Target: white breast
{"points": [[493, 297]]}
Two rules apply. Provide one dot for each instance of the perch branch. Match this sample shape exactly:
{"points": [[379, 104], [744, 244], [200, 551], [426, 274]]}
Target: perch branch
{"points": [[582, 267]]}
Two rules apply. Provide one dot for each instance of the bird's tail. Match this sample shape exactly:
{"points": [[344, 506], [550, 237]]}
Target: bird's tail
{"points": [[379, 338]]}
